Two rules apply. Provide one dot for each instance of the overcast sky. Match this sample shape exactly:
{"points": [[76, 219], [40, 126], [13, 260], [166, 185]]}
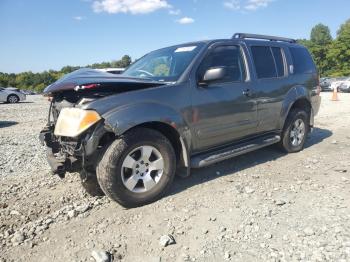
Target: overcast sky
{"points": [[39, 35]]}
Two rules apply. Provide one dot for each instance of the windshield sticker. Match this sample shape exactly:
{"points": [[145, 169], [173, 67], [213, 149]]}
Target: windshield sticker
{"points": [[185, 49]]}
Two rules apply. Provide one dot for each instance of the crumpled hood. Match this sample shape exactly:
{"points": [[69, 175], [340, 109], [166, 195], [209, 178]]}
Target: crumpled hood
{"points": [[87, 76]]}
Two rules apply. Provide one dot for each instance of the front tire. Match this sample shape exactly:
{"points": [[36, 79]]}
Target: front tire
{"points": [[138, 168], [12, 99], [295, 131]]}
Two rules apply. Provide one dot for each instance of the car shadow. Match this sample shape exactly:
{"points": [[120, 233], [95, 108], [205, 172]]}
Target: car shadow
{"points": [[240, 163], [317, 136], [20, 102], [7, 123], [25, 102]]}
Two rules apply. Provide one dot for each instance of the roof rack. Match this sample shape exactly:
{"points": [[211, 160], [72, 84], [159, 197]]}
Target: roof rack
{"points": [[265, 37]]}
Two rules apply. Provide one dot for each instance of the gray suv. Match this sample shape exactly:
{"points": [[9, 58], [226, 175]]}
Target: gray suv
{"points": [[181, 107]]}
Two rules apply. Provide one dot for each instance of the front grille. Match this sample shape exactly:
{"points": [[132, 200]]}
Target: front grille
{"points": [[70, 146]]}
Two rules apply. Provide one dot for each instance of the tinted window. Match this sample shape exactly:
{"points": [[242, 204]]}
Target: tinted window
{"points": [[277, 54], [264, 62], [228, 57], [302, 60]]}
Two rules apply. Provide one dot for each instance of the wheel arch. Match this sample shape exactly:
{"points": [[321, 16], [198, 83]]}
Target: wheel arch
{"points": [[172, 135], [296, 98], [157, 117], [12, 94]]}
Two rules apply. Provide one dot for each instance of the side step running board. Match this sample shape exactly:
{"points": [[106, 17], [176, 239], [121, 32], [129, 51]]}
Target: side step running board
{"points": [[232, 151]]}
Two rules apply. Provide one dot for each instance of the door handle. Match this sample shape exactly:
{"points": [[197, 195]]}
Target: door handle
{"points": [[247, 92]]}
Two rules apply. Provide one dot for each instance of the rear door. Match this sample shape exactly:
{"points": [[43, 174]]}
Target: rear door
{"points": [[223, 111], [270, 83]]}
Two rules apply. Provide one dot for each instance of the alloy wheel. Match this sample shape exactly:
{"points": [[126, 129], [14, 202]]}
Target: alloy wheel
{"points": [[297, 132], [12, 99], [142, 169]]}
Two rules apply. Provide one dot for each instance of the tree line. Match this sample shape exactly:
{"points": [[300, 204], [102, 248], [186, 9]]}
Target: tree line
{"points": [[332, 57], [38, 81]]}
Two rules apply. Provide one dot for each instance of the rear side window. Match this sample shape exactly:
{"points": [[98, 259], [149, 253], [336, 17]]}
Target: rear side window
{"points": [[268, 61], [264, 62], [277, 54], [302, 60]]}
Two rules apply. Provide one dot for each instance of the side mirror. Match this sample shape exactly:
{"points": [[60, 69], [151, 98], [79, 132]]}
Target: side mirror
{"points": [[212, 74]]}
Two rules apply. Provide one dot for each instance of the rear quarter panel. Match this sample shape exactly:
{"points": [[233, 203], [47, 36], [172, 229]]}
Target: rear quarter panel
{"points": [[301, 86]]}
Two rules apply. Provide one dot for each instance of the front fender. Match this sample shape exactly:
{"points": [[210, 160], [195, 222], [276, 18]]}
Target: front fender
{"points": [[123, 118], [126, 117]]}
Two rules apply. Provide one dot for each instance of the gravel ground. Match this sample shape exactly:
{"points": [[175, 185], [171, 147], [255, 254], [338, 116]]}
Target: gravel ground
{"points": [[263, 206]]}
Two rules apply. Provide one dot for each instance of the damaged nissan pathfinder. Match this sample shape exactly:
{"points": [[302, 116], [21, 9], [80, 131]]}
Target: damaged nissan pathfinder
{"points": [[177, 108]]}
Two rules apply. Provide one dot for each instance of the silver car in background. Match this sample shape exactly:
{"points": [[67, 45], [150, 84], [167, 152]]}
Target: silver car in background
{"points": [[345, 86], [11, 95]]}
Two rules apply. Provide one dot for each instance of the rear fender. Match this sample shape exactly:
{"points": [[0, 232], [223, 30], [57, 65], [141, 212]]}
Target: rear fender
{"points": [[294, 94]]}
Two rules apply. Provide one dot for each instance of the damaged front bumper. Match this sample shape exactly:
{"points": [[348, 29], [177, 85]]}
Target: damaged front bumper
{"points": [[71, 156], [59, 162]]}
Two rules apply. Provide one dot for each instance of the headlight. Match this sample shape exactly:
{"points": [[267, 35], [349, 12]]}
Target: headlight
{"points": [[74, 121]]}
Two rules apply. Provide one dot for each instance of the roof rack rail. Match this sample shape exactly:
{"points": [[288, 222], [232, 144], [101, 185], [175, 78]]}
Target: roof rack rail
{"points": [[265, 37]]}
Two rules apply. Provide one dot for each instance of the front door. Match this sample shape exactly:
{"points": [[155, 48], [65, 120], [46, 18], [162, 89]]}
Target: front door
{"points": [[224, 110]]}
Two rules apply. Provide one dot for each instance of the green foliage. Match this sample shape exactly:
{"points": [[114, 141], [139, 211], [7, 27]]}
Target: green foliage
{"points": [[339, 53], [69, 69], [319, 54], [321, 35], [332, 57], [38, 81], [125, 62]]}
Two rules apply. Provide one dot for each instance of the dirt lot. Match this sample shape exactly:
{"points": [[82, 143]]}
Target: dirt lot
{"points": [[263, 206]]}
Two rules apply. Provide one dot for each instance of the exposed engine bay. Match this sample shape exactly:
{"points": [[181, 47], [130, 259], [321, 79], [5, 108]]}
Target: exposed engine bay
{"points": [[73, 91]]}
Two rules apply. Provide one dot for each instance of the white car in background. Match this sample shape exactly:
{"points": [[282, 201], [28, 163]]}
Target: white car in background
{"points": [[116, 70], [345, 86], [11, 95], [336, 83]]}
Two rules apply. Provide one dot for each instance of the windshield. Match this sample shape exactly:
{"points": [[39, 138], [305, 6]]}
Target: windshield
{"points": [[165, 65]]}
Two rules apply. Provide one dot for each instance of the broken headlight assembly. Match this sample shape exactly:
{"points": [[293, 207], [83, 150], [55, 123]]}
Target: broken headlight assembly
{"points": [[74, 121]]}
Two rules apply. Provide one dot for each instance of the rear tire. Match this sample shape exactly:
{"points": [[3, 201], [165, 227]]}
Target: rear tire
{"points": [[12, 99], [138, 168], [295, 131]]}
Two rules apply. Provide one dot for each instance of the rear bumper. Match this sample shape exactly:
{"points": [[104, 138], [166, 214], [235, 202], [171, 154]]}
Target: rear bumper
{"points": [[316, 103]]}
